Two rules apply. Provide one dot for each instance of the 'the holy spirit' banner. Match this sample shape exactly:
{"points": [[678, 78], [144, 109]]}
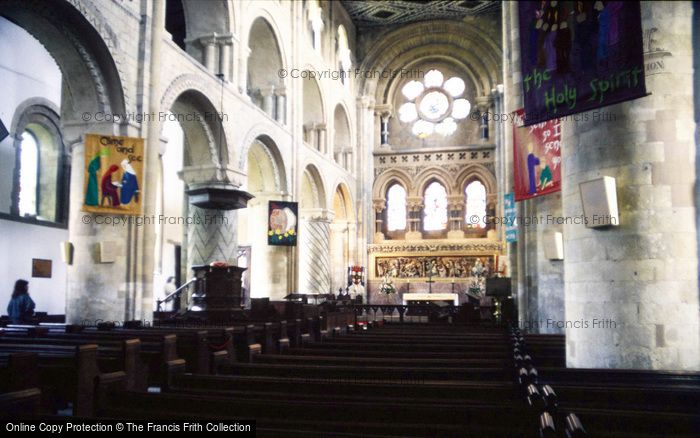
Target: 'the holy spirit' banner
{"points": [[113, 174], [536, 157], [579, 55]]}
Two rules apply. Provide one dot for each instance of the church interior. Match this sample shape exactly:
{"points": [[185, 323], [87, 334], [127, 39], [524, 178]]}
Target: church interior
{"points": [[350, 218]]}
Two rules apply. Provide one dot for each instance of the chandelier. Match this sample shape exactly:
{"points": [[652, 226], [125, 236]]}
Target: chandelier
{"points": [[434, 105]]}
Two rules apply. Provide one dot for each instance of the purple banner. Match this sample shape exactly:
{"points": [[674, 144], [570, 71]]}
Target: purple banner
{"points": [[579, 55]]}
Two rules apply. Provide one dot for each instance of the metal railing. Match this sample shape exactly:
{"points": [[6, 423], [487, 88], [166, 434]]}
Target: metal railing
{"points": [[175, 295]]}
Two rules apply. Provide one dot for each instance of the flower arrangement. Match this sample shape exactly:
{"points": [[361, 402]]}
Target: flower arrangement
{"points": [[387, 286]]}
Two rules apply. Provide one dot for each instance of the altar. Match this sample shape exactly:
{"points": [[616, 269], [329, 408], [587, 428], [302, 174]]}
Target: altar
{"points": [[408, 297]]}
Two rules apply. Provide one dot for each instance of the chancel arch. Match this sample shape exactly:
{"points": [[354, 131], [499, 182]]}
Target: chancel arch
{"points": [[343, 150], [268, 271]]}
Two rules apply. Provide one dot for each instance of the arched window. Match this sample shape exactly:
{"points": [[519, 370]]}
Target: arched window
{"points": [[435, 209], [344, 58], [28, 175], [396, 208], [475, 193], [315, 16]]}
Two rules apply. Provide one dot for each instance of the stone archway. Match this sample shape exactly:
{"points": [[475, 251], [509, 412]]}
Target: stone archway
{"points": [[314, 234], [342, 236], [269, 270]]}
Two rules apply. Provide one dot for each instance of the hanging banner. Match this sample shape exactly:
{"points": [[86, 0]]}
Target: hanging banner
{"points": [[113, 174], [282, 223], [579, 55], [510, 214], [536, 157]]}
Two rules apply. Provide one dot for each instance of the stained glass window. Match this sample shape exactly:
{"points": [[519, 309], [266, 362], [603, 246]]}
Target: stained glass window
{"points": [[28, 175], [435, 207], [396, 208], [434, 105], [476, 204]]}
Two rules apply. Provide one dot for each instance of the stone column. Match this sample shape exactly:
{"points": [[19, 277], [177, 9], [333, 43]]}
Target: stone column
{"points": [[339, 254], [268, 100], [633, 289], [225, 48], [455, 211], [384, 127], [483, 104], [314, 253], [310, 135], [211, 236], [281, 105], [243, 70], [414, 209], [321, 138], [378, 206], [209, 45]]}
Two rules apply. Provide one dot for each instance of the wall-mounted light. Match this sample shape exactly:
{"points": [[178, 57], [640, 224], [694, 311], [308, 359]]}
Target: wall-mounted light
{"points": [[599, 200], [67, 252], [553, 243]]}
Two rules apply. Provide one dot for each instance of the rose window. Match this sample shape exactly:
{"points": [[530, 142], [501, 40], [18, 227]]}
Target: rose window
{"points": [[434, 105]]}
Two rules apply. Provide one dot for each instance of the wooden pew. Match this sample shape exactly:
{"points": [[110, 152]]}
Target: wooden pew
{"points": [[67, 372]]}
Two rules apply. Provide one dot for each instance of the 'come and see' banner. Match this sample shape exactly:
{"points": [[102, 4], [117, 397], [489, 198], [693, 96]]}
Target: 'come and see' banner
{"points": [[579, 55]]}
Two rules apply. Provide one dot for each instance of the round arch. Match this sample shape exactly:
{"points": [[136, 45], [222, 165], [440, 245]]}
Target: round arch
{"points": [[264, 153], [313, 192], [343, 203], [89, 68], [265, 61]]}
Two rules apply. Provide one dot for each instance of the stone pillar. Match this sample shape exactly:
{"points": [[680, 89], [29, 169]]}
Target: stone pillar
{"points": [[281, 105], [243, 70], [310, 135], [455, 212], [378, 207], [321, 138], [414, 209], [339, 254], [209, 45], [637, 281], [384, 116], [483, 104], [225, 48], [314, 254], [211, 236], [268, 100]]}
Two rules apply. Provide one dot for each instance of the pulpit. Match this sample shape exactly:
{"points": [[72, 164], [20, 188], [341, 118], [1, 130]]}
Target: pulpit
{"points": [[217, 295]]}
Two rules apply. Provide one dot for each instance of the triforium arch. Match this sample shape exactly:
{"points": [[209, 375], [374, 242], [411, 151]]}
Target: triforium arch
{"points": [[314, 114], [205, 33], [265, 86], [343, 146]]}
